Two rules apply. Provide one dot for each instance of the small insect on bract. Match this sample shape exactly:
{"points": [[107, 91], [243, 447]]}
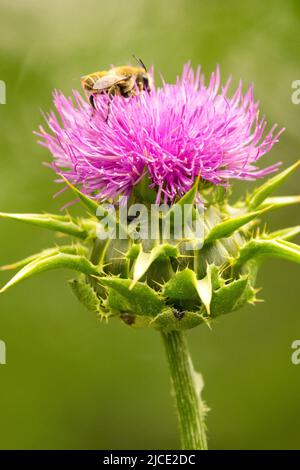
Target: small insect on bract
{"points": [[123, 81]]}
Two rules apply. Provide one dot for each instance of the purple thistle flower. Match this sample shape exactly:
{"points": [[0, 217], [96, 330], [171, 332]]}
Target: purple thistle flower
{"points": [[174, 134]]}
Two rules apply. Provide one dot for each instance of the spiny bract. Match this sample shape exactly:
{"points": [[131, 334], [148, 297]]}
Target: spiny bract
{"points": [[159, 283]]}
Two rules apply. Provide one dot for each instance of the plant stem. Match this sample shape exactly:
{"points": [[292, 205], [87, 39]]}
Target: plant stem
{"points": [[186, 384]]}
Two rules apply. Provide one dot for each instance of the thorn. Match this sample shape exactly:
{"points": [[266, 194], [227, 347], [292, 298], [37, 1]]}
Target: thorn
{"points": [[7, 267], [134, 281], [121, 253], [103, 317], [158, 283], [95, 277], [256, 290], [118, 258], [207, 321]]}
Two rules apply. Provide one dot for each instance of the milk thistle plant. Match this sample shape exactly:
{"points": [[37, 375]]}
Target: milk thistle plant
{"points": [[177, 148]]}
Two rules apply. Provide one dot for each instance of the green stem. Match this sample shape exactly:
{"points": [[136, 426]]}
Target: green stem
{"points": [[187, 387]]}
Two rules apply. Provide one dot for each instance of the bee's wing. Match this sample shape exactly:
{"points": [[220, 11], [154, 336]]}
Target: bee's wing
{"points": [[108, 81]]}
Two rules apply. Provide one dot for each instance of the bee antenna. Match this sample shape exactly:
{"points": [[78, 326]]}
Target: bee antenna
{"points": [[139, 61]]}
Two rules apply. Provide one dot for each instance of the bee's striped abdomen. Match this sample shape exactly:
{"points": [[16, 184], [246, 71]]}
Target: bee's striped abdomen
{"points": [[89, 81]]}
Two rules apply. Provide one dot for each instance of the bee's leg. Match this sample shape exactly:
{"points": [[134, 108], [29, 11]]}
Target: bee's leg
{"points": [[92, 101], [110, 94], [131, 92], [126, 86], [108, 111], [140, 85]]}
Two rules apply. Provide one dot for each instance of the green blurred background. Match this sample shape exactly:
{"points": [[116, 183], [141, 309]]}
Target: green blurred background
{"points": [[71, 382]]}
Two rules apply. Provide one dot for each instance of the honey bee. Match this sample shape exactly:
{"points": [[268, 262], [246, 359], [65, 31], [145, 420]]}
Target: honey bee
{"points": [[118, 81]]}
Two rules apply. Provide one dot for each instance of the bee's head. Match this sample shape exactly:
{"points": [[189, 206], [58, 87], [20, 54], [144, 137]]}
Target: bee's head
{"points": [[147, 82], [144, 77]]}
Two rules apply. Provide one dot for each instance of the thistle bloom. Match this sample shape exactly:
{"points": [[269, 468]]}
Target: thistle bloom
{"points": [[174, 134]]}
